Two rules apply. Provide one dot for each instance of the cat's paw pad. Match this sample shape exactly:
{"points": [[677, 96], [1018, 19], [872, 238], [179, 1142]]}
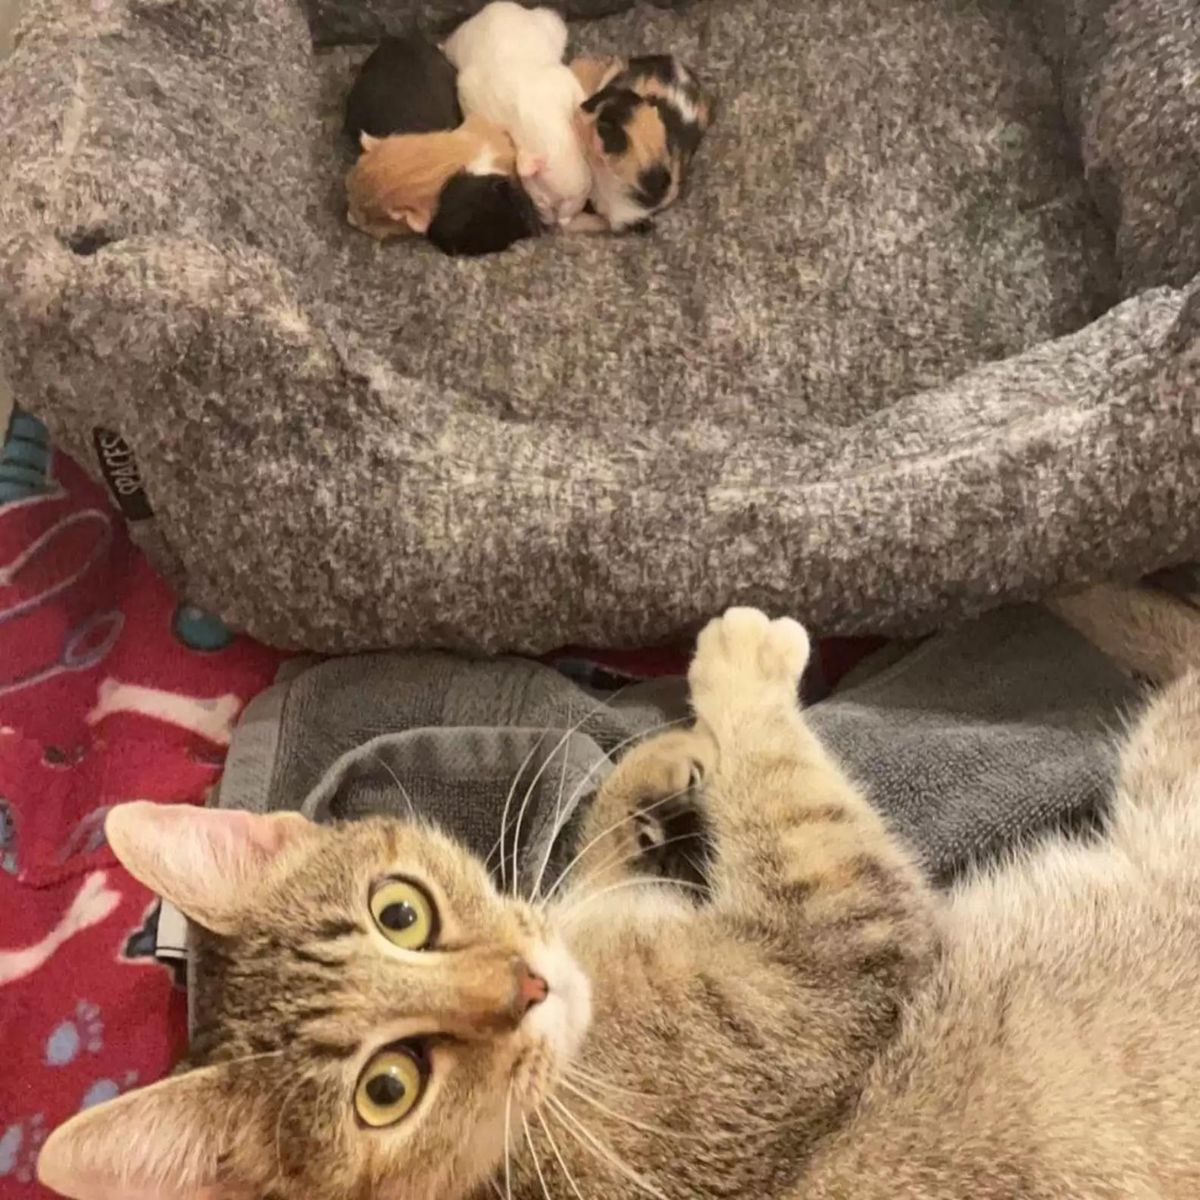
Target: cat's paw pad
{"points": [[746, 650]]}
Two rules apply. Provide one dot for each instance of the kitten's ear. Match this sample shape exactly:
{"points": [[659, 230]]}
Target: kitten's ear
{"points": [[207, 862], [529, 165], [418, 220], [366, 141], [162, 1142]]}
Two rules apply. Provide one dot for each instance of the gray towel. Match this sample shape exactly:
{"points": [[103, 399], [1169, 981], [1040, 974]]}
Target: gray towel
{"points": [[458, 740], [971, 742], [983, 737]]}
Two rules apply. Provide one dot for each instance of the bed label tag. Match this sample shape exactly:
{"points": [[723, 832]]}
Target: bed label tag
{"points": [[118, 465], [172, 932]]}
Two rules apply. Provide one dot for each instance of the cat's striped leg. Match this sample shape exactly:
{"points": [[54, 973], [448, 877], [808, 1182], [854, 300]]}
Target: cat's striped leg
{"points": [[801, 856]]}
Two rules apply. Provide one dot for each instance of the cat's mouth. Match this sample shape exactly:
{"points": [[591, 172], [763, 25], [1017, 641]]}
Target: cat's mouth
{"points": [[561, 1020]]}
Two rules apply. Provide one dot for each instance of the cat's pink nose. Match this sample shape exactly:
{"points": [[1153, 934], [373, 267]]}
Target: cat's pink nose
{"points": [[531, 989]]}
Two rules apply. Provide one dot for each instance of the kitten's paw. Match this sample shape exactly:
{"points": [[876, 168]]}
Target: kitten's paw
{"points": [[746, 661]]}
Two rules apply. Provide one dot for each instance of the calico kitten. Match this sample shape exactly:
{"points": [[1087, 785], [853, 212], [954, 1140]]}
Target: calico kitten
{"points": [[646, 120], [815, 1023], [406, 85]]}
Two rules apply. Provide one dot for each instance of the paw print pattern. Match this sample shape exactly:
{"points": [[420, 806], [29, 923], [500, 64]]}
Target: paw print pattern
{"points": [[83, 1031], [19, 1146], [8, 838], [107, 1089]]}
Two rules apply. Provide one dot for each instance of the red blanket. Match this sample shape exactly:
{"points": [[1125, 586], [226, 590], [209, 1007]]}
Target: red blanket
{"points": [[109, 691]]}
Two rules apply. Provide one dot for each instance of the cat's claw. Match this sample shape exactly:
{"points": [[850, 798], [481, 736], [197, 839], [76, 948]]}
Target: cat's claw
{"points": [[746, 661]]}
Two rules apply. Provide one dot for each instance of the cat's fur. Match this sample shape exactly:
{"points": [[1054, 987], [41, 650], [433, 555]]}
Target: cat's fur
{"points": [[645, 120], [509, 60], [395, 186], [406, 85], [816, 1024]]}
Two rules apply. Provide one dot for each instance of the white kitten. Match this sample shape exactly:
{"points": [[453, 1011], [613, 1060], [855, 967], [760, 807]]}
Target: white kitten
{"points": [[511, 71]]}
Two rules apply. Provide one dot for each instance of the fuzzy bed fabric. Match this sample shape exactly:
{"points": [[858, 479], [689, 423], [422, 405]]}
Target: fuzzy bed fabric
{"points": [[923, 336]]}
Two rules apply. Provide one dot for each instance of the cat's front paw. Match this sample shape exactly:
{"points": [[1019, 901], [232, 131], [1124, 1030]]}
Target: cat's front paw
{"points": [[746, 665]]}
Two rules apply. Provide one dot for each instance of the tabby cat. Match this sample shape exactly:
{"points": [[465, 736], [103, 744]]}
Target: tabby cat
{"points": [[811, 1022]]}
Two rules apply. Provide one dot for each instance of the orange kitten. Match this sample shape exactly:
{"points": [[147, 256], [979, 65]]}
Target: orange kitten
{"points": [[395, 185]]}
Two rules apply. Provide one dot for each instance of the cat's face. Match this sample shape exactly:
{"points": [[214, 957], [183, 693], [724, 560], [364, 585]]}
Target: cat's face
{"points": [[381, 1009]]}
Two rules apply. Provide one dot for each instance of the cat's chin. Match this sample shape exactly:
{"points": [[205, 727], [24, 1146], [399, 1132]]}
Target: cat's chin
{"points": [[560, 1021]]}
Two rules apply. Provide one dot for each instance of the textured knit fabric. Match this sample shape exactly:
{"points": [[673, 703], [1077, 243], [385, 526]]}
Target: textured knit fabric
{"points": [[869, 371]]}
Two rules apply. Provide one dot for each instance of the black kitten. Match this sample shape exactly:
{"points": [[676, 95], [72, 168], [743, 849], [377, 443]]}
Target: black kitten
{"points": [[407, 85], [481, 214]]}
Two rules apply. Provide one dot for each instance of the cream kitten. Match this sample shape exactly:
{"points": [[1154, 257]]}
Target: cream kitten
{"points": [[511, 71], [807, 1021]]}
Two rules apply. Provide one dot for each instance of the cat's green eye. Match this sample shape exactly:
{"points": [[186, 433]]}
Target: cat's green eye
{"points": [[404, 914], [389, 1087]]}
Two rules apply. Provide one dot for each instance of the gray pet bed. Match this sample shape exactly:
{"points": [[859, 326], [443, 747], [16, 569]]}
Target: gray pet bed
{"points": [[924, 334]]}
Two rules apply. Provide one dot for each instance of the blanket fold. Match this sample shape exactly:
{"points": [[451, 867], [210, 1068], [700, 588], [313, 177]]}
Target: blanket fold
{"points": [[920, 340]]}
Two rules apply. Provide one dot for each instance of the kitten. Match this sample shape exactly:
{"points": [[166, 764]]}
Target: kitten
{"points": [[406, 85], [813, 1022], [482, 214], [396, 185], [511, 71], [646, 119]]}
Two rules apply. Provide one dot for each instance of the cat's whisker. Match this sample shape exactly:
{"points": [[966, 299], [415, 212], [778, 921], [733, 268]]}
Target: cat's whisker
{"points": [[629, 816], [570, 913], [508, 1143], [560, 817], [512, 791], [558, 1154], [576, 1072], [559, 748], [555, 825], [640, 1125], [618, 858], [537, 1166], [589, 1141], [412, 811], [608, 757]]}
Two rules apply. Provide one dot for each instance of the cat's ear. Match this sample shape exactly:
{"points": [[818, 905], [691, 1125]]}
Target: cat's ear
{"points": [[530, 165], [366, 141], [417, 219], [207, 862], [163, 1142]]}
